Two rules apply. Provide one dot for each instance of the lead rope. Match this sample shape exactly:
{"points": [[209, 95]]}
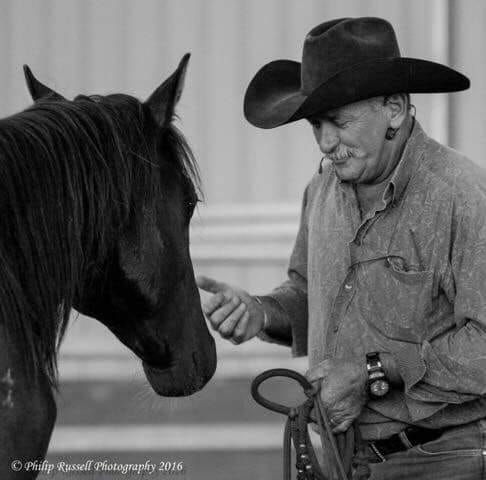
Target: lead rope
{"points": [[342, 447]]}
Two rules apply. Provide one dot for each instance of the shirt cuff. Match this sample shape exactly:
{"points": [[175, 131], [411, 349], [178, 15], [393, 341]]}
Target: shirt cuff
{"points": [[421, 401], [410, 364], [275, 317]]}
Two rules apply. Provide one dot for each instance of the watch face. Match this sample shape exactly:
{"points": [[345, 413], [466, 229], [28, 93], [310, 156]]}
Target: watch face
{"points": [[379, 388]]}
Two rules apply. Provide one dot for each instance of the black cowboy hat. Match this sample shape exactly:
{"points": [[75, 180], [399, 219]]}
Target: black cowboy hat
{"points": [[343, 61]]}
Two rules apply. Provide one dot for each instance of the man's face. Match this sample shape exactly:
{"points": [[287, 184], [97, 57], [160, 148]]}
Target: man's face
{"points": [[353, 138]]}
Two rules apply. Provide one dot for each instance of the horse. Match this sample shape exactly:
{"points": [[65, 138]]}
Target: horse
{"points": [[96, 197]]}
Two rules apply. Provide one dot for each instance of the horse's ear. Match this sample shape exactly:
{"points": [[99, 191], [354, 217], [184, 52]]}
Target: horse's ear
{"points": [[163, 100], [37, 89]]}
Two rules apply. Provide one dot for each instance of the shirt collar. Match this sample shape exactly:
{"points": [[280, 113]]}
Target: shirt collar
{"points": [[407, 165]]}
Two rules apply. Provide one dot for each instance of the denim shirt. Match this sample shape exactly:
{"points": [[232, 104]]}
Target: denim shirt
{"points": [[408, 279]]}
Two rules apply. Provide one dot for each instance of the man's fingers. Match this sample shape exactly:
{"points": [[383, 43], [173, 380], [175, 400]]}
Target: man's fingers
{"points": [[209, 284], [313, 377], [227, 327], [226, 311], [222, 313], [213, 303], [239, 333], [342, 427], [317, 373]]}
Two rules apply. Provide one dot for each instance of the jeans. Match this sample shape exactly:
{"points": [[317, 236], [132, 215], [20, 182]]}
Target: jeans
{"points": [[459, 454]]}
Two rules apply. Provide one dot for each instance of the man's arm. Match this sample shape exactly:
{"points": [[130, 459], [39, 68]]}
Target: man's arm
{"points": [[451, 369], [286, 315], [391, 370], [280, 317]]}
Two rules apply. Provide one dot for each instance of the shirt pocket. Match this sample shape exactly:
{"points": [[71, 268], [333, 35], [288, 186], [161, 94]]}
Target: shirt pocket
{"points": [[398, 298]]}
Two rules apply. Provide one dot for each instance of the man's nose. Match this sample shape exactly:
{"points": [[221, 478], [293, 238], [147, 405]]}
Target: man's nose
{"points": [[327, 137]]}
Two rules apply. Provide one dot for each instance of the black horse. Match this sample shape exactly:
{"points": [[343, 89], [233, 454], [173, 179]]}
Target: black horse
{"points": [[96, 196]]}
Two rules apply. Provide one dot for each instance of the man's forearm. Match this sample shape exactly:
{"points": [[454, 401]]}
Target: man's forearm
{"points": [[278, 327], [277, 324], [286, 309]]}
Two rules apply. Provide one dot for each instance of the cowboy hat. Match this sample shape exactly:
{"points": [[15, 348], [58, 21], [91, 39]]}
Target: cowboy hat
{"points": [[343, 61]]}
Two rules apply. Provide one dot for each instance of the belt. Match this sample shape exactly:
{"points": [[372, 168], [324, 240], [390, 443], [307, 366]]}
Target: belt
{"points": [[408, 438]]}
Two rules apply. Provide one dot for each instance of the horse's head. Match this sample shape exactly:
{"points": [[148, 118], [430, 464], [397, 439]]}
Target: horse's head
{"points": [[143, 288]]}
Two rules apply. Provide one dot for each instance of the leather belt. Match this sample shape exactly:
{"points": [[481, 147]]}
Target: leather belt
{"points": [[408, 438]]}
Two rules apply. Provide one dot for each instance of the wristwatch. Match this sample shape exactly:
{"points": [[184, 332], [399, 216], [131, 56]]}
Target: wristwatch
{"points": [[378, 385]]}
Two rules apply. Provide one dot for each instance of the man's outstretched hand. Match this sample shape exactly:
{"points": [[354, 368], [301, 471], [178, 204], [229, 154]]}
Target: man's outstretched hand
{"points": [[231, 311]]}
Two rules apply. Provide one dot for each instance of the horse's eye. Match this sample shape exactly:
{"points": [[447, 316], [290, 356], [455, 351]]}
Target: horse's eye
{"points": [[190, 202], [190, 207]]}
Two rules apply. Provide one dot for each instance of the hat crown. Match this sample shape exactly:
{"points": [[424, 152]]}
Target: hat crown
{"points": [[344, 61], [334, 46]]}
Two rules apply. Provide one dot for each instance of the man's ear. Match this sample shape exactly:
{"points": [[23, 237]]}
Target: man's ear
{"points": [[164, 99], [37, 89], [397, 106]]}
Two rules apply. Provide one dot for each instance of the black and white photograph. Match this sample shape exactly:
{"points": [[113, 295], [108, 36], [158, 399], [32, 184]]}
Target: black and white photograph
{"points": [[242, 240]]}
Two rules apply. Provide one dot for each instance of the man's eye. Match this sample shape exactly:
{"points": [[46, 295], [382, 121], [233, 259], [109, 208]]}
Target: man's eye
{"points": [[341, 124]]}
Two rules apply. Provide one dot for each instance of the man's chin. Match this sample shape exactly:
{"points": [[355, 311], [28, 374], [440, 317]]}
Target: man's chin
{"points": [[346, 173]]}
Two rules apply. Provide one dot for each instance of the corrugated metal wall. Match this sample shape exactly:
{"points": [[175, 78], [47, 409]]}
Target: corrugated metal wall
{"points": [[101, 46], [467, 126], [127, 45]]}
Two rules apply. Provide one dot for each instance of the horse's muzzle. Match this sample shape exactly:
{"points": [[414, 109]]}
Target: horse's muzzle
{"points": [[186, 375]]}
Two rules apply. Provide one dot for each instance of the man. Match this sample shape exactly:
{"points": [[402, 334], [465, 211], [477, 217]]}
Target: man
{"points": [[387, 280]]}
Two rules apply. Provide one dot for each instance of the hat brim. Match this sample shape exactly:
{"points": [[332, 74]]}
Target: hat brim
{"points": [[274, 98]]}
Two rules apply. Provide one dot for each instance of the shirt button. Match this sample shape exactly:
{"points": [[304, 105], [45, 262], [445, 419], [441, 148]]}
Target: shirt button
{"points": [[348, 286]]}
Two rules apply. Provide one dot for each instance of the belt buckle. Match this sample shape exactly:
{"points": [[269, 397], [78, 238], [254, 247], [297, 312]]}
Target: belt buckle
{"points": [[377, 452]]}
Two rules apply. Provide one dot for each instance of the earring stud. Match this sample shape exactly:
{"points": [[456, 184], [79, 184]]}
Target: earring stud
{"points": [[390, 133]]}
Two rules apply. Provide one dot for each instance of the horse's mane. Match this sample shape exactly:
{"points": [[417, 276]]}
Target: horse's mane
{"points": [[70, 173]]}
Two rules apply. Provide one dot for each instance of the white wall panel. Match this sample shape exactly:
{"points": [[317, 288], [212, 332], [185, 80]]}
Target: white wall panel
{"points": [[101, 46], [122, 45], [468, 128]]}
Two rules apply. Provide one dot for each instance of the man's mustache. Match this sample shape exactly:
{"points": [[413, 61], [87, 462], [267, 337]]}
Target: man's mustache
{"points": [[343, 153]]}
